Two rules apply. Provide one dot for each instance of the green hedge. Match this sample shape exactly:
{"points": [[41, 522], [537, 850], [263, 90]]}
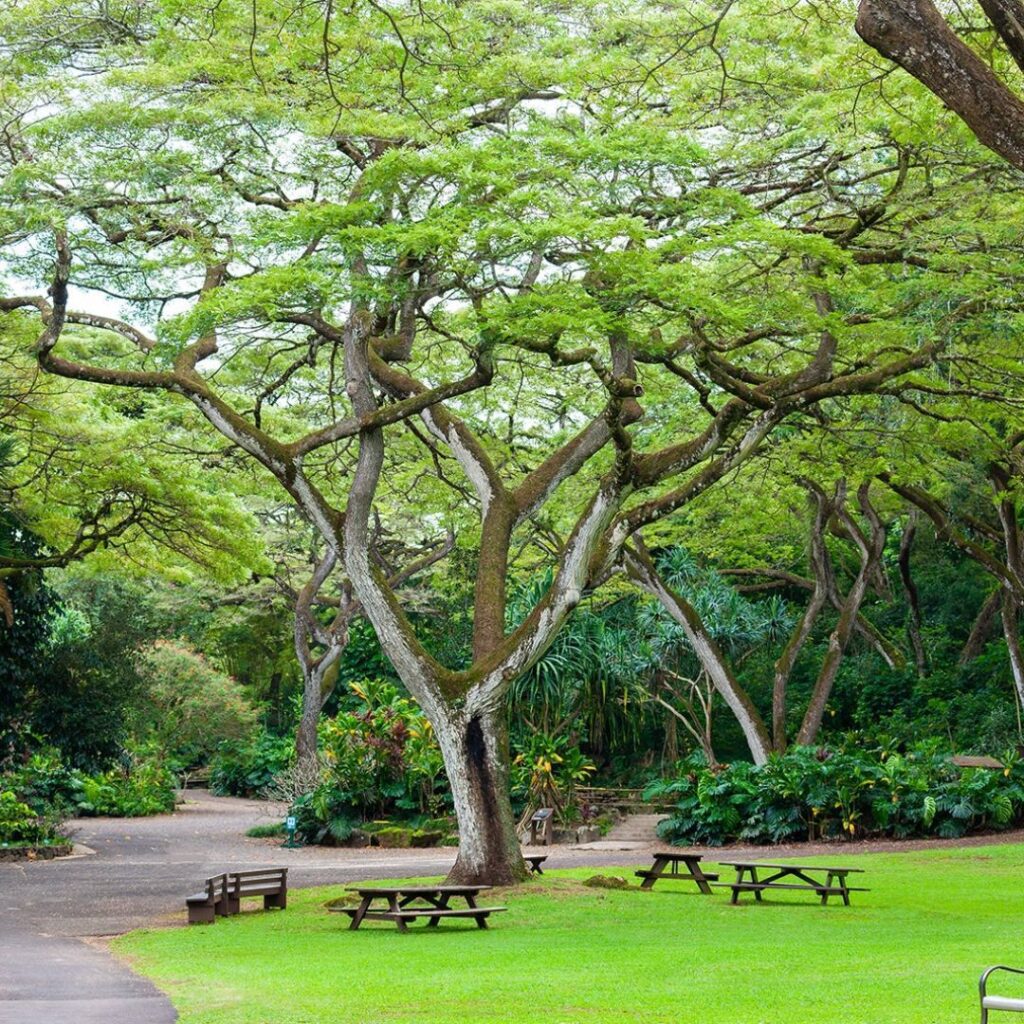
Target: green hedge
{"points": [[853, 790]]}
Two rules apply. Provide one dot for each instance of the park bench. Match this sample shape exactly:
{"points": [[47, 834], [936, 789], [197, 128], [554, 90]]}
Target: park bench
{"points": [[535, 860], [204, 907], [693, 873], [223, 893], [834, 883], [270, 883], [406, 903], [1011, 1005]]}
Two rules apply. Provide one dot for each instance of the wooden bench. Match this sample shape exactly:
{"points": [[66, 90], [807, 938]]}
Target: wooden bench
{"points": [[400, 910], [206, 906], [1005, 1003], [834, 883], [270, 883], [223, 893], [535, 860]]}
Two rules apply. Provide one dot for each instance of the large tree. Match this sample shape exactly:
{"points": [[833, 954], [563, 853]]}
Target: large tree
{"points": [[578, 263]]}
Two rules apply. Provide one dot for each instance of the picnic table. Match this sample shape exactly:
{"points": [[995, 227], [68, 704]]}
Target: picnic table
{"points": [[407, 902], [534, 860], [805, 877], [693, 872]]}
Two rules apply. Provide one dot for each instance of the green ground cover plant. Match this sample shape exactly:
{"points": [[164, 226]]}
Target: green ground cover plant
{"points": [[907, 952]]}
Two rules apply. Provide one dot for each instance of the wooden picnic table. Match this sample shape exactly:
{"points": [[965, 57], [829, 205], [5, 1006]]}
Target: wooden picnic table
{"points": [[407, 902], [802, 875], [693, 872], [534, 860]]}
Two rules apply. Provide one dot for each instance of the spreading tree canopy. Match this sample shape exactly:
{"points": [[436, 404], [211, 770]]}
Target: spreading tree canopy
{"points": [[575, 263]]}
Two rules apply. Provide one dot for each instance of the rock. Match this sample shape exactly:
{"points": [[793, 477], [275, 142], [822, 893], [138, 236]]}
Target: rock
{"points": [[426, 837], [606, 882], [358, 839], [394, 838], [587, 834]]}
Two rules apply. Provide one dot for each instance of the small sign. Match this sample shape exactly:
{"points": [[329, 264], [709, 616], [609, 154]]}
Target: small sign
{"points": [[289, 827]]}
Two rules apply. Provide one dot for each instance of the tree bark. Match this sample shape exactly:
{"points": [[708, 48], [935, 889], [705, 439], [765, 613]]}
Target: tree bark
{"points": [[820, 564], [913, 34], [712, 660], [475, 748], [981, 631], [910, 589], [871, 554], [1011, 631]]}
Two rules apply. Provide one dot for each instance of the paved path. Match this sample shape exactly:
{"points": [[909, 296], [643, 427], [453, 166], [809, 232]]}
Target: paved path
{"points": [[50, 973]]}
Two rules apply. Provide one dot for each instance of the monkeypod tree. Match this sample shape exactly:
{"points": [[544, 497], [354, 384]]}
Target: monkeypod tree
{"points": [[574, 263]]}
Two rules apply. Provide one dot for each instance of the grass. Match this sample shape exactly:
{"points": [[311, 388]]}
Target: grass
{"points": [[266, 831], [908, 951]]}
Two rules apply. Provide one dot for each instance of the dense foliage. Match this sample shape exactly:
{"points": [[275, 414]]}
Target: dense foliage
{"points": [[851, 790]]}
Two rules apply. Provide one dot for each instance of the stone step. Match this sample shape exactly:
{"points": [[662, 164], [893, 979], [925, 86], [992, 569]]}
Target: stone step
{"points": [[636, 828]]}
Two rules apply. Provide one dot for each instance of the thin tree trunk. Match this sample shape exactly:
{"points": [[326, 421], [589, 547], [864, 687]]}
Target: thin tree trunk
{"points": [[910, 589], [981, 631], [871, 553], [1011, 630], [712, 660], [818, 557]]}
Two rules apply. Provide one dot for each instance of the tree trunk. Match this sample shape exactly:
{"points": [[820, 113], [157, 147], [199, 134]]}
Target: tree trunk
{"points": [[306, 741], [475, 748], [910, 589], [1011, 630], [712, 660], [871, 555], [981, 631]]}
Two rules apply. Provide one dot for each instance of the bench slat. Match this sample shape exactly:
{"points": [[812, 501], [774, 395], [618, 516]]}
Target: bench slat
{"points": [[709, 875], [757, 886], [424, 912]]}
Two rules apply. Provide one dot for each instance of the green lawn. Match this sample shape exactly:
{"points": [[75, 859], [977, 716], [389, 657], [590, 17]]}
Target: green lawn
{"points": [[909, 950]]}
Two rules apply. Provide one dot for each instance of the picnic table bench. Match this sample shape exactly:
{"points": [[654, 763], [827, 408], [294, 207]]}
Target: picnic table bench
{"points": [[693, 873], [408, 902], [535, 860], [222, 894], [834, 883]]}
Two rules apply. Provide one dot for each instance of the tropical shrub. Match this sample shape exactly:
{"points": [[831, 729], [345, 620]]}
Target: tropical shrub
{"points": [[849, 791], [380, 760], [20, 824], [133, 791], [246, 767], [190, 706], [45, 783], [546, 771]]}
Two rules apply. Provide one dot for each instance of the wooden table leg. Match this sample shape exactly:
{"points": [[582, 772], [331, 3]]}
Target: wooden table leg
{"points": [[657, 869], [845, 888], [396, 909], [698, 876], [357, 918], [736, 893], [753, 878], [441, 904]]}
